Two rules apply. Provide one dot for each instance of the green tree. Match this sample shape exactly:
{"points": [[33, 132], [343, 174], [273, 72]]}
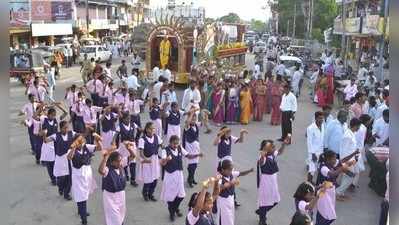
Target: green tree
{"points": [[258, 26], [324, 12], [230, 18]]}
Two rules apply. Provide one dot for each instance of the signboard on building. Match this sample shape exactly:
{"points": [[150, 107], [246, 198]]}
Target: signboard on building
{"points": [[47, 29], [19, 13], [352, 25], [370, 25], [41, 10], [61, 10]]}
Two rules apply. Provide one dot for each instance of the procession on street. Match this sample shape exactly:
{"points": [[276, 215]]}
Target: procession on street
{"points": [[144, 113]]}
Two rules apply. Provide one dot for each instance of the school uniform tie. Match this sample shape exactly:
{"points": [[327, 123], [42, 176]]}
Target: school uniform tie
{"points": [[95, 86]]}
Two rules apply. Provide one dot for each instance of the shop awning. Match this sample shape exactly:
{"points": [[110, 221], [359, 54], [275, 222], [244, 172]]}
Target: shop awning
{"points": [[18, 30], [48, 29]]}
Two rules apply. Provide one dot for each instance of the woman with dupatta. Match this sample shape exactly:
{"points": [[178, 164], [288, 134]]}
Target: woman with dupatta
{"points": [[245, 105], [276, 91], [260, 101], [269, 82], [218, 104], [321, 90]]}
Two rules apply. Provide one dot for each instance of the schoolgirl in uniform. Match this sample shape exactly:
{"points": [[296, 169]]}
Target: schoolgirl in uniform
{"points": [[126, 132], [35, 122], [28, 110], [83, 183], [149, 169], [225, 201], [172, 121], [107, 121], [173, 183], [155, 116], [267, 171], [77, 109], [191, 144], [305, 198], [62, 166], [113, 185], [328, 171], [201, 204], [48, 128], [224, 141]]}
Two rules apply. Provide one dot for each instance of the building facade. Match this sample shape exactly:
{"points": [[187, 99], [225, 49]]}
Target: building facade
{"points": [[362, 26], [34, 22]]}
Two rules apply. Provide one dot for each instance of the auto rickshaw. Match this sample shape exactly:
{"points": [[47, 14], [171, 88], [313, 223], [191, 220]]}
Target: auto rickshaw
{"points": [[25, 64]]}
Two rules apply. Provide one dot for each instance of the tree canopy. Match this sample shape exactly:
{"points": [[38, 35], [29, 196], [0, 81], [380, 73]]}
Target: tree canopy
{"points": [[324, 12], [230, 18]]}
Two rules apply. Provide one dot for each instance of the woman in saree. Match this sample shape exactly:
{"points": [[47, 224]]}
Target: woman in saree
{"points": [[321, 90], [330, 85], [245, 105], [276, 91], [260, 101], [218, 104], [269, 82]]}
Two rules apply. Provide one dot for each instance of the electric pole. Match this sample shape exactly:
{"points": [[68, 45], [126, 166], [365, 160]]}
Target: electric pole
{"points": [[288, 28], [294, 25], [87, 18], [343, 40], [382, 43]]}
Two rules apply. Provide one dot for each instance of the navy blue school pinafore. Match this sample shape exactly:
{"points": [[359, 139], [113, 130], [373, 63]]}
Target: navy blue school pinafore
{"points": [[113, 182], [108, 124], [190, 135], [176, 163]]}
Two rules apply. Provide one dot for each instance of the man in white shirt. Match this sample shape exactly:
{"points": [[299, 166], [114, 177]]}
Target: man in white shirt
{"points": [[288, 108], [169, 95], [191, 97], [296, 81], [384, 105], [315, 142], [334, 132], [132, 82], [95, 87], [280, 69], [256, 71], [361, 75], [158, 86], [381, 129], [136, 61], [350, 90], [349, 147]]}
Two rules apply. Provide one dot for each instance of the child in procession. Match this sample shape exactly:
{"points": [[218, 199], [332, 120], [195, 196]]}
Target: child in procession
{"points": [[173, 183], [330, 168], [108, 120], [267, 172], [126, 132], [149, 169], [113, 185], [155, 116], [192, 145], [201, 203], [306, 199], [83, 183], [172, 119], [62, 166], [225, 201], [49, 127]]}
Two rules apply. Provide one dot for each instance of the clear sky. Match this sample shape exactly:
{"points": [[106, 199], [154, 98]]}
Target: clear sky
{"points": [[246, 9]]}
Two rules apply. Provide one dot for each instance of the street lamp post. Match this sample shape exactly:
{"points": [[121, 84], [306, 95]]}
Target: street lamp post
{"points": [[87, 18]]}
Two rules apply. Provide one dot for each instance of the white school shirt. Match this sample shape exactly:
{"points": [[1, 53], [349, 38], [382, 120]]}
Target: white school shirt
{"points": [[134, 106], [29, 109], [164, 155], [38, 92], [90, 114], [119, 98], [234, 173], [150, 140], [127, 127], [71, 98], [53, 137], [192, 220], [95, 87], [315, 139], [302, 207], [288, 102], [157, 89], [381, 128], [132, 82], [109, 94]]}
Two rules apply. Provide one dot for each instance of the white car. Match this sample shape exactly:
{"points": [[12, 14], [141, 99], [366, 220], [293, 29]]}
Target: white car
{"points": [[259, 47], [95, 51], [290, 62]]}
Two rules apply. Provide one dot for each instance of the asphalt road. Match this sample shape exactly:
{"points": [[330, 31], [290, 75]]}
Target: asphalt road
{"points": [[35, 201]]}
